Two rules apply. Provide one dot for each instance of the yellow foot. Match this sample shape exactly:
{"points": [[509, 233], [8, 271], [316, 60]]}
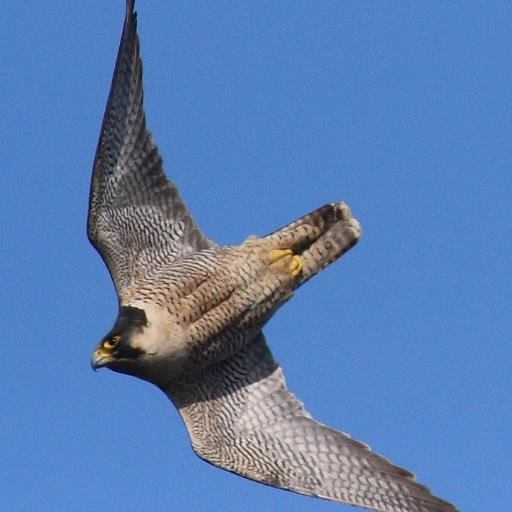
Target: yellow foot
{"points": [[277, 254], [295, 265]]}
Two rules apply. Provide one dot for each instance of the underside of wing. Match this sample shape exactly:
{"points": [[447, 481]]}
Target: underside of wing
{"points": [[241, 417], [137, 219]]}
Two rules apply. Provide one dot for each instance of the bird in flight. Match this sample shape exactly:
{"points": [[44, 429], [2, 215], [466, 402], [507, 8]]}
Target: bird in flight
{"points": [[191, 314]]}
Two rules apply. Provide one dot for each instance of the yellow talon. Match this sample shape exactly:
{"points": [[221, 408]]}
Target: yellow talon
{"points": [[296, 265]]}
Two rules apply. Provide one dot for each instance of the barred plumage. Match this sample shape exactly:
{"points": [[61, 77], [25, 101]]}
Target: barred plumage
{"points": [[191, 314]]}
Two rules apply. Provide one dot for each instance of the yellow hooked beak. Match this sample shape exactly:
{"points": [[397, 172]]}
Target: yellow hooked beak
{"points": [[100, 358]]}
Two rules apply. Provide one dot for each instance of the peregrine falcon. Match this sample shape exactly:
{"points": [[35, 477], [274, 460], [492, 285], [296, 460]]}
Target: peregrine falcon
{"points": [[191, 314]]}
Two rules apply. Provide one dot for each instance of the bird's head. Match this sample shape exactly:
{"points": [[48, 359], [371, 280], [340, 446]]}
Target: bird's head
{"points": [[117, 350]]}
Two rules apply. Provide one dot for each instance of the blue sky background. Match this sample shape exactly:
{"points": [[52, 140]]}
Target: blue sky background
{"points": [[262, 113]]}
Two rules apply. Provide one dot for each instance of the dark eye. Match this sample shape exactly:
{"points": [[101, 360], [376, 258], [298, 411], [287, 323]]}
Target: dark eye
{"points": [[110, 343]]}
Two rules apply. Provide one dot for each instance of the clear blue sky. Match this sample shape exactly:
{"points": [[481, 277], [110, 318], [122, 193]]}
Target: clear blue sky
{"points": [[263, 113]]}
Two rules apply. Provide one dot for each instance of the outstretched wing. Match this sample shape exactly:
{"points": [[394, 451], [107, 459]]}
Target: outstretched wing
{"points": [[241, 417], [137, 220]]}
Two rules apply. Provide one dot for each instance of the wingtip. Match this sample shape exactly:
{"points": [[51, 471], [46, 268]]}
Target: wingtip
{"points": [[131, 15]]}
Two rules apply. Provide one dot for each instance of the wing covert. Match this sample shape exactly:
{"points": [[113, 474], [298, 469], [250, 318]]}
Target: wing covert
{"points": [[137, 219], [241, 417]]}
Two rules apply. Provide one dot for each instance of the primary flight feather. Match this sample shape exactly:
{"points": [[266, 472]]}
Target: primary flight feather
{"points": [[191, 314]]}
